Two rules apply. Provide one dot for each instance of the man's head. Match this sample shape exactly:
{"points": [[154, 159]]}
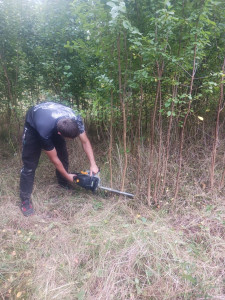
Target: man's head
{"points": [[68, 128]]}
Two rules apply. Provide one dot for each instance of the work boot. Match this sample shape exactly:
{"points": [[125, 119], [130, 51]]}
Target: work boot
{"points": [[27, 208]]}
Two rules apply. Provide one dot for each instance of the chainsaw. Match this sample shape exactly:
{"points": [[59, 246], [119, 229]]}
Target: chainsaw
{"points": [[85, 180]]}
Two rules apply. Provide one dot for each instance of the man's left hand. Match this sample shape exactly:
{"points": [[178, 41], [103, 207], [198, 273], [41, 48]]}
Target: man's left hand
{"points": [[94, 170]]}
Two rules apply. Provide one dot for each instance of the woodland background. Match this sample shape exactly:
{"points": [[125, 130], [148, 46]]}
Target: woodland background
{"points": [[148, 78]]}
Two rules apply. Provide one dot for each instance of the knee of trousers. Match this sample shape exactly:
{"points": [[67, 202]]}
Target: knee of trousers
{"points": [[28, 171]]}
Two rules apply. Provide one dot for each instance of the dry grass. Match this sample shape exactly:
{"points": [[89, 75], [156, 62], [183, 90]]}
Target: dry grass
{"points": [[87, 247]]}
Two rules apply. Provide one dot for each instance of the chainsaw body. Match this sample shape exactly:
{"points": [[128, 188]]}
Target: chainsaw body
{"points": [[86, 181]]}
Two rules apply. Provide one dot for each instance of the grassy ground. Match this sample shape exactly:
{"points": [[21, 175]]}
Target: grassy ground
{"points": [[84, 246]]}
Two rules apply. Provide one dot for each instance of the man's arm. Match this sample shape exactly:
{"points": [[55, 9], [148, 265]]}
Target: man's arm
{"points": [[52, 155], [89, 151]]}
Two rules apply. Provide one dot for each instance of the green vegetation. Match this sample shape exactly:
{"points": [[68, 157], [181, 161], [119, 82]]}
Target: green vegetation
{"points": [[148, 78], [146, 75]]}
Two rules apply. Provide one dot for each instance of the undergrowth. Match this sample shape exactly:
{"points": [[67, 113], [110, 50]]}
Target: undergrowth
{"points": [[86, 246]]}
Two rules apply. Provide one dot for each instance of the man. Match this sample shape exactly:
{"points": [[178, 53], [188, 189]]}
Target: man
{"points": [[46, 126]]}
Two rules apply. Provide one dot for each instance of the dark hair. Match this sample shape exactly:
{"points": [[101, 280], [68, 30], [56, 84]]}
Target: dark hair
{"points": [[68, 128]]}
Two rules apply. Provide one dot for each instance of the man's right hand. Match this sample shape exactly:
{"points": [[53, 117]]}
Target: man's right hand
{"points": [[70, 177]]}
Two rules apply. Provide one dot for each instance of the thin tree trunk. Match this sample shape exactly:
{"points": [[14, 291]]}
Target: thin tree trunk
{"points": [[123, 108], [183, 128], [155, 196], [164, 177], [215, 143], [139, 140], [151, 144], [9, 86], [111, 140]]}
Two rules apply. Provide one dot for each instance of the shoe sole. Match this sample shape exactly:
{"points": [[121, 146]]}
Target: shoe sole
{"points": [[27, 213]]}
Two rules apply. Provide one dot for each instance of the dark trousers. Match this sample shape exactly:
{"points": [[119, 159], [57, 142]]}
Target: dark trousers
{"points": [[30, 156]]}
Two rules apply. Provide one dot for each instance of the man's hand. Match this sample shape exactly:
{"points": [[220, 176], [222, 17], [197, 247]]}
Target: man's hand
{"points": [[70, 177], [94, 170]]}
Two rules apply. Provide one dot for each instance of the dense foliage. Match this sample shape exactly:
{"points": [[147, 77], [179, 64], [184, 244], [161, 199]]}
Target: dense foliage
{"points": [[157, 67], [69, 48]]}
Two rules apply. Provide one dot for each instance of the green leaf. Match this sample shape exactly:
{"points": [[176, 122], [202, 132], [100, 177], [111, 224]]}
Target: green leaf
{"points": [[67, 68], [137, 280], [114, 12], [122, 7], [143, 219], [81, 295], [190, 278], [167, 3], [111, 4], [136, 31], [127, 25]]}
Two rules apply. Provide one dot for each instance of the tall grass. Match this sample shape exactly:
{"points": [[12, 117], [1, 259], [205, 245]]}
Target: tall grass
{"points": [[86, 246]]}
